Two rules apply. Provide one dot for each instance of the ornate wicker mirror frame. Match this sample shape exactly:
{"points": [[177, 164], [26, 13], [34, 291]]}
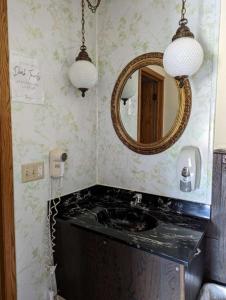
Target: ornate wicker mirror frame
{"points": [[153, 58]]}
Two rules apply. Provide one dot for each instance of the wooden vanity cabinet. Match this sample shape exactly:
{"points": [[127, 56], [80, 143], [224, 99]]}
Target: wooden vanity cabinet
{"points": [[92, 267]]}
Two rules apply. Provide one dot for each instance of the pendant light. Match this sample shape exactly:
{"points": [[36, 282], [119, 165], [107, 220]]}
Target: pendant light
{"points": [[83, 73], [129, 90], [184, 56]]}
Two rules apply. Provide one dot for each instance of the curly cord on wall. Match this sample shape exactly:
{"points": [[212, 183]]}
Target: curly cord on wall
{"points": [[55, 202], [51, 223]]}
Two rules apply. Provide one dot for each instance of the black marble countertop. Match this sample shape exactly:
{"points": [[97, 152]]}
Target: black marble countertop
{"points": [[179, 229]]}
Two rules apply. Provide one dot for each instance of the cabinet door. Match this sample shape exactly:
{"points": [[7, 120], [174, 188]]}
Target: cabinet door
{"points": [[91, 267], [216, 236]]}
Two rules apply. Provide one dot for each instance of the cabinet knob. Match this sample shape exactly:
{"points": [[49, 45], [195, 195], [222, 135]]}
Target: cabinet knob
{"points": [[105, 242]]}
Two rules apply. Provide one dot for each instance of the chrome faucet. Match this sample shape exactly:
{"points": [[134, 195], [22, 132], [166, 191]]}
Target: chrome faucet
{"points": [[137, 200]]}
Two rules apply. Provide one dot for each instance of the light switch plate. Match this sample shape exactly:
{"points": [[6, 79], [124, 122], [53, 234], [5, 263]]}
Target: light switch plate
{"points": [[32, 171]]}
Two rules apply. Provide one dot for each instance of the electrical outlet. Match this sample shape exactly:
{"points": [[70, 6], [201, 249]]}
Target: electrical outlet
{"points": [[32, 171]]}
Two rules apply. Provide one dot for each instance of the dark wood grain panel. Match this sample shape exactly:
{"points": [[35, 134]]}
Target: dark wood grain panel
{"points": [[7, 242], [194, 274], [215, 260], [216, 236], [92, 267], [218, 204]]}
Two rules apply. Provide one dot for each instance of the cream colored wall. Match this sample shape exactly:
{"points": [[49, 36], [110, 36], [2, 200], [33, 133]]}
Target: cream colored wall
{"points": [[220, 121]]}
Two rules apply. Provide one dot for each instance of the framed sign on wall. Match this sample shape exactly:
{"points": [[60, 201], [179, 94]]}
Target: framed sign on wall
{"points": [[25, 79]]}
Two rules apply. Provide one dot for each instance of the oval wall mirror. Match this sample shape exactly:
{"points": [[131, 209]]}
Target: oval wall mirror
{"points": [[149, 110]]}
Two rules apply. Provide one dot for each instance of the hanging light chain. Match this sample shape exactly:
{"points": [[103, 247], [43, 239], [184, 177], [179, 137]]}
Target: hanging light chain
{"points": [[183, 20], [92, 7], [83, 47]]}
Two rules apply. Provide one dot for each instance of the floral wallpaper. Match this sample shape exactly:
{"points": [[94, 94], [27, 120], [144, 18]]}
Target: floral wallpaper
{"points": [[130, 28], [48, 30]]}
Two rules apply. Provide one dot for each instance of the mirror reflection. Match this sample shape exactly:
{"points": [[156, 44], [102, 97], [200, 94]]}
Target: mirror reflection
{"points": [[149, 104]]}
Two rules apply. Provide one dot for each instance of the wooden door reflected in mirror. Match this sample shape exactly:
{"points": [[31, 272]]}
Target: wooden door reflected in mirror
{"points": [[150, 106]]}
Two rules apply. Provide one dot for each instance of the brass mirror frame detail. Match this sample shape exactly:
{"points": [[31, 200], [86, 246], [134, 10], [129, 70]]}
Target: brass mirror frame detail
{"points": [[152, 58]]}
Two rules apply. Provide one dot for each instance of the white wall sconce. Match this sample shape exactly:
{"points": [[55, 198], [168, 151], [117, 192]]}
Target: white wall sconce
{"points": [[129, 90], [184, 56], [83, 73]]}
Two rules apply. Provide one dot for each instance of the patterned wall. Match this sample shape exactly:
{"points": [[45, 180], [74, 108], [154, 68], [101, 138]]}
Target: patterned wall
{"points": [[130, 28], [48, 30]]}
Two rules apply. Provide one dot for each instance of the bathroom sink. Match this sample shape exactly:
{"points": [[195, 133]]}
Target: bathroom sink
{"points": [[129, 219]]}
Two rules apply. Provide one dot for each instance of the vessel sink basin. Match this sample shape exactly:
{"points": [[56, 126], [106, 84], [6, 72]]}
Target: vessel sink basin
{"points": [[129, 219]]}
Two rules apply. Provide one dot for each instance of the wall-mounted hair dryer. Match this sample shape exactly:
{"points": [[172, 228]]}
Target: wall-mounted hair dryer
{"points": [[57, 158], [189, 169]]}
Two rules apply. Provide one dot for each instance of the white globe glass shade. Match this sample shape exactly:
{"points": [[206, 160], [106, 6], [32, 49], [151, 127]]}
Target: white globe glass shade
{"points": [[83, 74], [183, 57], [130, 88]]}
